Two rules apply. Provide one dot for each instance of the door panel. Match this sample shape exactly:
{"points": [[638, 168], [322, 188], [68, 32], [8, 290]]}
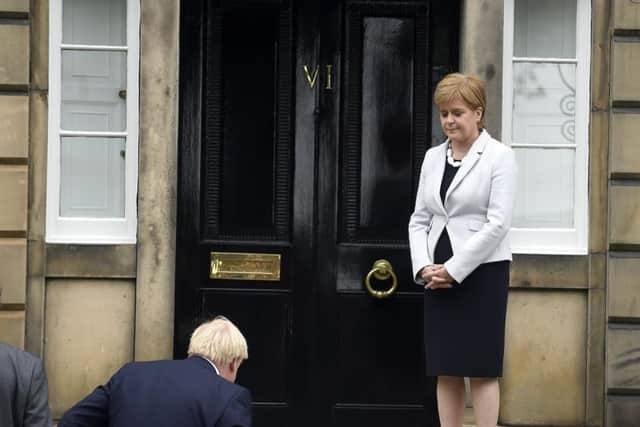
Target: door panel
{"points": [[385, 125], [371, 160], [387, 104], [372, 351], [236, 178], [321, 168], [266, 331], [249, 87], [247, 178]]}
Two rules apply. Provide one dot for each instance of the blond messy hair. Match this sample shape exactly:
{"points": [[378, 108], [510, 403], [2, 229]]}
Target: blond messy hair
{"points": [[467, 88], [219, 340]]}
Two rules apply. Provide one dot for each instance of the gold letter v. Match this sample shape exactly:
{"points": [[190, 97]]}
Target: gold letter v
{"points": [[311, 80]]}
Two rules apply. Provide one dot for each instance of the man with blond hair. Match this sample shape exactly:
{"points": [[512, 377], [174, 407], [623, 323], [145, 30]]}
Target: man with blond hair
{"points": [[197, 391]]}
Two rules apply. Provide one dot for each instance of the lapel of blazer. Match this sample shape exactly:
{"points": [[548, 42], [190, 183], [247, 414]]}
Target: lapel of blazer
{"points": [[440, 158], [469, 161]]}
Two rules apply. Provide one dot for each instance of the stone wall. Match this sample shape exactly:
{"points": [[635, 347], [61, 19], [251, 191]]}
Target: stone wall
{"points": [[86, 318], [623, 283], [554, 363], [82, 308], [14, 159]]}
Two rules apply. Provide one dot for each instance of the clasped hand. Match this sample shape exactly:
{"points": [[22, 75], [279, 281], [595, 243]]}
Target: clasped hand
{"points": [[436, 276]]}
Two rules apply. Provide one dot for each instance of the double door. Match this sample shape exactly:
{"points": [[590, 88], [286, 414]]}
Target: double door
{"points": [[303, 125]]}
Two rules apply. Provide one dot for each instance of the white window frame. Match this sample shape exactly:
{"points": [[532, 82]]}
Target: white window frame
{"points": [[555, 240], [84, 230]]}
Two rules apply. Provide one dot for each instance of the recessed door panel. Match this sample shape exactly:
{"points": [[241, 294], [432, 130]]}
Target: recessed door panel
{"points": [[382, 351], [247, 136], [266, 331], [385, 127], [387, 116]]}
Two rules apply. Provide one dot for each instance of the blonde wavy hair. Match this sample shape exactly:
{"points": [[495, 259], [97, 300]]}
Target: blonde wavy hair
{"points": [[220, 341], [467, 88]]}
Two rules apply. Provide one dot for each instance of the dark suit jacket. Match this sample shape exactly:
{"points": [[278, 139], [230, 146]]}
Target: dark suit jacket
{"points": [[24, 399], [167, 393]]}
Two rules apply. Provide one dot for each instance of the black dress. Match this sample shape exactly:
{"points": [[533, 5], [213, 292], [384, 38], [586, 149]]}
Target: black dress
{"points": [[464, 325]]}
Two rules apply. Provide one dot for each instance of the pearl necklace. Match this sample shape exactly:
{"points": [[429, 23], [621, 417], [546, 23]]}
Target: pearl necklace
{"points": [[450, 160]]}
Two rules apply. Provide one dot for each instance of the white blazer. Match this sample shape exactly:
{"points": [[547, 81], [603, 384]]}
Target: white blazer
{"points": [[476, 211]]}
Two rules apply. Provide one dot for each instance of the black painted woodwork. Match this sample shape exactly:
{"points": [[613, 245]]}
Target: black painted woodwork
{"points": [[385, 105], [326, 177], [247, 79]]}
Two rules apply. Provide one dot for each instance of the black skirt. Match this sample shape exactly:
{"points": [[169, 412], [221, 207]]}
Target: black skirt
{"points": [[464, 325]]}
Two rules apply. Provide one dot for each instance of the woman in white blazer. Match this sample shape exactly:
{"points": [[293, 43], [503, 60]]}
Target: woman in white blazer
{"points": [[461, 254]]}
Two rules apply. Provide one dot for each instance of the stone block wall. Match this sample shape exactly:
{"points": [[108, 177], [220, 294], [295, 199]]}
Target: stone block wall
{"points": [[86, 309], [14, 159], [544, 378], [89, 330], [82, 316], [554, 358], [623, 272]]}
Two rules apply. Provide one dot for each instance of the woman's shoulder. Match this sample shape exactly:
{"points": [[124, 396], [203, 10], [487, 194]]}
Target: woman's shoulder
{"points": [[499, 155], [437, 149], [498, 147]]}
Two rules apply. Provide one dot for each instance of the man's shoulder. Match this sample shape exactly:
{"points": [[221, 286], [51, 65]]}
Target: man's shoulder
{"points": [[18, 368], [232, 389], [190, 369], [187, 368], [147, 366], [16, 355], [236, 409]]}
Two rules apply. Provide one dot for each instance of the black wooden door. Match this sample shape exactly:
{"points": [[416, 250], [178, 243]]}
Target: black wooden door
{"points": [[302, 128]]}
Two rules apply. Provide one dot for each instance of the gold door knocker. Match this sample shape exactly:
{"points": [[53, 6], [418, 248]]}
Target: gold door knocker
{"points": [[381, 270]]}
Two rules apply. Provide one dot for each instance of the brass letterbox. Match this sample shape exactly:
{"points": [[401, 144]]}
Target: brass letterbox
{"points": [[245, 266]]}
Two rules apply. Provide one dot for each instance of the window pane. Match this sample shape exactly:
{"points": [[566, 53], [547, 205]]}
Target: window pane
{"points": [[94, 22], [94, 90], [545, 195], [92, 177], [545, 28], [544, 103]]}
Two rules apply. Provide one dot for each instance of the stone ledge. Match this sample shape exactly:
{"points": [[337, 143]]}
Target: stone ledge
{"points": [[550, 271], [91, 261]]}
